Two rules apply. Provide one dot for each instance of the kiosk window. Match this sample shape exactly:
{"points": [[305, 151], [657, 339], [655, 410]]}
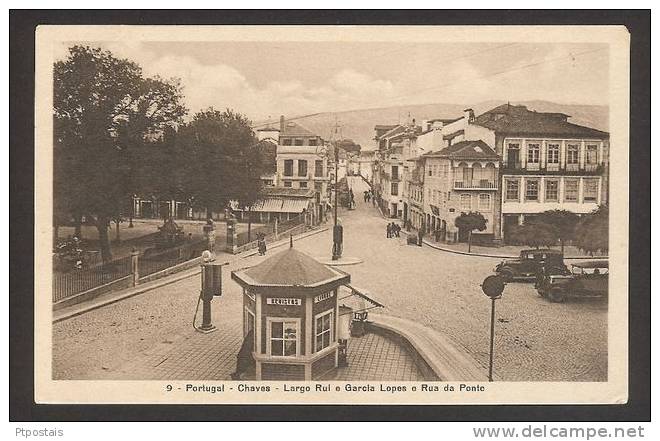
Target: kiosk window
{"points": [[323, 330], [284, 338]]}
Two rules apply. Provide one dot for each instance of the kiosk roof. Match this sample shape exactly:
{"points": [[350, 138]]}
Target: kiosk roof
{"points": [[290, 267]]}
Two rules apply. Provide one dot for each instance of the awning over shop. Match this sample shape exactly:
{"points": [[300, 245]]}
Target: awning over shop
{"points": [[294, 205], [268, 205], [278, 205]]}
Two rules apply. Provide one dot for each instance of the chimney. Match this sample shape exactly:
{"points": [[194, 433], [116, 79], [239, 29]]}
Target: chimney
{"points": [[468, 114], [281, 124], [425, 125]]}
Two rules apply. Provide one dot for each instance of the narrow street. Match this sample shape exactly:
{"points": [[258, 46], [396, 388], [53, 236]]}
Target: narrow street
{"points": [[535, 340]]}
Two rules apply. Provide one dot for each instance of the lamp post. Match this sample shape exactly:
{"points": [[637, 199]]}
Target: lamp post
{"points": [[336, 173], [337, 230]]}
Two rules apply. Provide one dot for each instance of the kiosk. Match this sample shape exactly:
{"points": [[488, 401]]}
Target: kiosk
{"points": [[291, 313]]}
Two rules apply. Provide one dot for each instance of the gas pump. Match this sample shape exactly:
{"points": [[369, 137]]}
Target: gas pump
{"points": [[211, 274]]}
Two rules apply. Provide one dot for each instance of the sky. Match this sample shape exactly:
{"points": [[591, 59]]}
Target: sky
{"points": [[266, 79]]}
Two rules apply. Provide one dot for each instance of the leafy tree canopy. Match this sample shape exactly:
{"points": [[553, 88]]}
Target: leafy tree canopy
{"points": [[221, 159], [471, 221], [592, 232], [533, 233], [104, 111]]}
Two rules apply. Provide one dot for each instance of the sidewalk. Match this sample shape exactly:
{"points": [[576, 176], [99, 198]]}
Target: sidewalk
{"points": [[115, 296], [197, 356], [499, 252]]}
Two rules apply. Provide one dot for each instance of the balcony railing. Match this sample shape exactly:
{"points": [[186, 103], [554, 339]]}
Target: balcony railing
{"points": [[482, 184], [571, 168]]}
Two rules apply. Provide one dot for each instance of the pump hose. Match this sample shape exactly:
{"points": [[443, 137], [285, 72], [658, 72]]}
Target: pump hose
{"points": [[199, 299]]}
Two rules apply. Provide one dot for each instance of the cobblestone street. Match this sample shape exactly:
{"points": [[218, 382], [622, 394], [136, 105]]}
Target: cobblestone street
{"points": [[535, 340]]}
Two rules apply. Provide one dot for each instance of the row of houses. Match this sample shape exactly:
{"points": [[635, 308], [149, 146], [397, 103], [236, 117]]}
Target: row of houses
{"points": [[509, 164]]}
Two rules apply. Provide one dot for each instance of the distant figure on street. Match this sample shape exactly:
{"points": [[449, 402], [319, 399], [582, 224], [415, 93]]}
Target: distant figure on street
{"points": [[389, 230], [397, 229], [261, 243], [420, 236], [366, 196]]}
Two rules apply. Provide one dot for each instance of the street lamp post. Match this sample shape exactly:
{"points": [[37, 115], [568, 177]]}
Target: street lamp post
{"points": [[336, 173], [337, 230]]}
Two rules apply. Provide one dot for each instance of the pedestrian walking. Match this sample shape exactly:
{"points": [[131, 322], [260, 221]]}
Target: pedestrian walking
{"points": [[261, 244], [366, 196], [397, 230], [389, 230]]}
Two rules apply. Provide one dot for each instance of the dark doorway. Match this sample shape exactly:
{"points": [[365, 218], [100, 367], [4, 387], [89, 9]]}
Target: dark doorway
{"points": [[510, 221], [512, 157]]}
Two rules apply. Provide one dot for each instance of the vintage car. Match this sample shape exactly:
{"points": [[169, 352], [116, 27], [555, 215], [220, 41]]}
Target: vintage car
{"points": [[531, 265], [586, 279]]}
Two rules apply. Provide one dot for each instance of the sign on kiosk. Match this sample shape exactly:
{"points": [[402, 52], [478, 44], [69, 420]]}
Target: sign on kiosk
{"points": [[283, 301], [324, 296]]}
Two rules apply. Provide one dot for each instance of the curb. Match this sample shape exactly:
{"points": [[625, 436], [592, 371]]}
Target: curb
{"points": [[140, 289], [497, 256], [447, 360]]}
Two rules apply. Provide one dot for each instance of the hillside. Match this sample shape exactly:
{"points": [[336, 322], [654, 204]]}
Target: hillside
{"points": [[359, 124]]}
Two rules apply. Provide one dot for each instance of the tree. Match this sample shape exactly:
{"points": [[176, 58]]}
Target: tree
{"points": [[563, 223], [592, 231], [223, 160], [469, 222], [104, 111], [533, 233]]}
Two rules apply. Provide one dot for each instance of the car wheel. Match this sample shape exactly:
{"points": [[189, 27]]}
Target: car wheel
{"points": [[556, 296], [507, 275]]}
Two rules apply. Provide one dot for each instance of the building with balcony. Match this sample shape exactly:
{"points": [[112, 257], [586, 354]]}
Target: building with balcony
{"points": [[395, 148], [300, 182], [547, 162], [460, 178]]}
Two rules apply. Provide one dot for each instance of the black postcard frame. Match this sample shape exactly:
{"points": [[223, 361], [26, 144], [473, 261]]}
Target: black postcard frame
{"points": [[21, 386]]}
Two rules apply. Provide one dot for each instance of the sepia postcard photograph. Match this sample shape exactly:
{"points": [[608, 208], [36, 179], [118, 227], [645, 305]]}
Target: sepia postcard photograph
{"points": [[331, 214]]}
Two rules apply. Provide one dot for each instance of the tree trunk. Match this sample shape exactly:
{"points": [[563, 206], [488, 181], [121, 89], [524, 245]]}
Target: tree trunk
{"points": [[117, 239], [249, 224], [469, 241], [104, 242], [77, 222], [561, 241]]}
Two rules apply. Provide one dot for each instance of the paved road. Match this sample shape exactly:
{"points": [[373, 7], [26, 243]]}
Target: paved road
{"points": [[535, 340]]}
